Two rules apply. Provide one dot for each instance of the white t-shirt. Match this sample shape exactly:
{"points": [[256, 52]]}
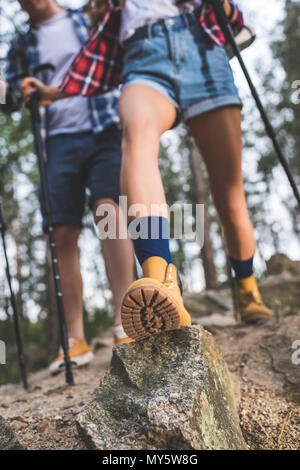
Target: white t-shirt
{"points": [[58, 43], [137, 13]]}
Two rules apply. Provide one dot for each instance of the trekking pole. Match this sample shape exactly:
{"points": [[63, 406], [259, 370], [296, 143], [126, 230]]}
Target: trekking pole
{"points": [[33, 107], [227, 31], [39, 148], [22, 365]]}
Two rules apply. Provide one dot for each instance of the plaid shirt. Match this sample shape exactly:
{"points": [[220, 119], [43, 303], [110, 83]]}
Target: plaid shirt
{"points": [[103, 109], [97, 67]]}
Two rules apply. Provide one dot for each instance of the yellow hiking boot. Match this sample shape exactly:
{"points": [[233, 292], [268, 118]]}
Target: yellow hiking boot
{"points": [[120, 336], [154, 304], [250, 304], [79, 352]]}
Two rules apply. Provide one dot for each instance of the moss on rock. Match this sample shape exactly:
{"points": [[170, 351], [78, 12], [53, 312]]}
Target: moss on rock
{"points": [[171, 391]]}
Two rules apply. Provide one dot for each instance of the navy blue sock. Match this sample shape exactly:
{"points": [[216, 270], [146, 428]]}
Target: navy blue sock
{"points": [[150, 236], [242, 269]]}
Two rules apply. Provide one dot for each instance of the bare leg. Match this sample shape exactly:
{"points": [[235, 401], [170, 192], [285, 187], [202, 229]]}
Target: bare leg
{"points": [[119, 260], [218, 136], [145, 114], [66, 238]]}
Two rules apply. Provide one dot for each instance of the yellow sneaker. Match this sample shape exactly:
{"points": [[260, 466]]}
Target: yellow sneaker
{"points": [[120, 336], [79, 352], [154, 304], [250, 304]]}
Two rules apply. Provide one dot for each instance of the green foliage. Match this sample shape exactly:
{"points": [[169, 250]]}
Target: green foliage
{"points": [[34, 338]]}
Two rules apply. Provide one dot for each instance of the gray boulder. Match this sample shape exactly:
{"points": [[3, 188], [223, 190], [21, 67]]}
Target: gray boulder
{"points": [[171, 391], [282, 264]]}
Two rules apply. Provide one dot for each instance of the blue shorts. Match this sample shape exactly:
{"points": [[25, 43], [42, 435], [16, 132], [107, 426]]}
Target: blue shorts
{"points": [[76, 162], [177, 58]]}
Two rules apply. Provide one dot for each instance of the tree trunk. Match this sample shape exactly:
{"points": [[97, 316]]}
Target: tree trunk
{"points": [[207, 252], [294, 211]]}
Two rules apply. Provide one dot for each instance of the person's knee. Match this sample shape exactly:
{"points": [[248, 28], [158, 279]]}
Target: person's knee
{"points": [[139, 130], [66, 237]]}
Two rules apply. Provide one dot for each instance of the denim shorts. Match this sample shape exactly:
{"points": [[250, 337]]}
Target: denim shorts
{"points": [[178, 59], [77, 162]]}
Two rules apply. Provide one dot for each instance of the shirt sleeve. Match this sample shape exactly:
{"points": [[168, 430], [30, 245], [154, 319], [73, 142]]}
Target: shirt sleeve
{"points": [[97, 67], [236, 18]]}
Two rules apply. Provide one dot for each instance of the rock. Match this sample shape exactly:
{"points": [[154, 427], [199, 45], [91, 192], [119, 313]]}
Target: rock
{"points": [[171, 391], [282, 293], [282, 264], [8, 439], [209, 302]]}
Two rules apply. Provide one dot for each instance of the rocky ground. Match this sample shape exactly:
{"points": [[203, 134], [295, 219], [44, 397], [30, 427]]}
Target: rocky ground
{"points": [[259, 357], [44, 417]]}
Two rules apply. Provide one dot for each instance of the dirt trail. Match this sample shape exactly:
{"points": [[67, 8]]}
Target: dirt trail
{"points": [[261, 358], [44, 417]]}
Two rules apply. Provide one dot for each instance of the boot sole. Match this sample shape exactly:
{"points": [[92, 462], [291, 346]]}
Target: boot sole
{"points": [[148, 310]]}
